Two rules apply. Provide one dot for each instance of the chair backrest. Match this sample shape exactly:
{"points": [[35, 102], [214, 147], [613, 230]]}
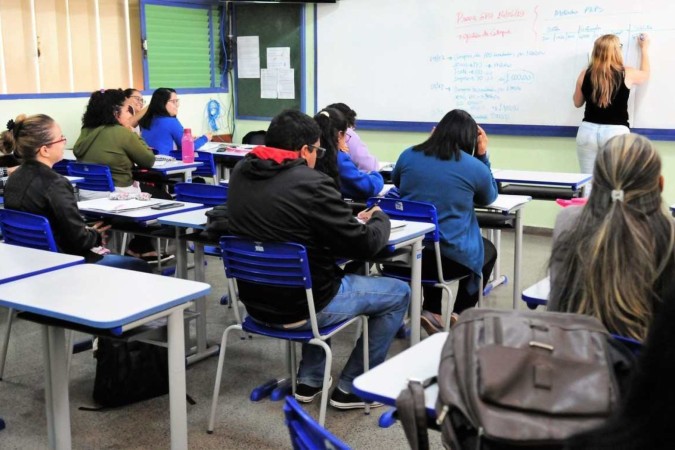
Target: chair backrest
{"points": [[278, 264], [27, 230], [61, 167], [633, 345], [254, 138], [408, 210], [207, 194], [207, 169], [305, 432], [97, 177]]}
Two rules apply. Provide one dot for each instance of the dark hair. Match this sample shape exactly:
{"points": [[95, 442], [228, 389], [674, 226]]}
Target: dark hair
{"points": [[129, 92], [103, 108], [612, 261], [457, 131], [157, 106], [291, 130], [330, 121], [25, 135], [349, 113]]}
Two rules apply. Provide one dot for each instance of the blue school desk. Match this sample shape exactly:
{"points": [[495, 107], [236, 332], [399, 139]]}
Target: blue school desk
{"points": [[103, 300]]}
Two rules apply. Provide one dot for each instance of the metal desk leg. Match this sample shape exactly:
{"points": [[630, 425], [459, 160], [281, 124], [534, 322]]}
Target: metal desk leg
{"points": [[177, 401], [203, 351], [181, 254], [416, 291], [56, 389], [517, 256]]}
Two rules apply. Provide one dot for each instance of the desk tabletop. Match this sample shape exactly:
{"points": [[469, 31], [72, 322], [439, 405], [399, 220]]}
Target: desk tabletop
{"points": [[573, 180], [384, 382], [411, 230], [538, 292], [21, 262], [98, 296], [167, 166], [508, 203], [191, 219], [138, 215]]}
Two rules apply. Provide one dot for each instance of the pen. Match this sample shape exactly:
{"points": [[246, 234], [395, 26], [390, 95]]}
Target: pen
{"points": [[372, 206]]}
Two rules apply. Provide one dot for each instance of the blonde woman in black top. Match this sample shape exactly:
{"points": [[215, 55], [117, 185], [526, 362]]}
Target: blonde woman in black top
{"points": [[604, 87]]}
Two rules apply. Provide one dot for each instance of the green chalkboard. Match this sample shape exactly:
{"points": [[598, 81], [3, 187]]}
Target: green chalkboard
{"points": [[276, 25]]}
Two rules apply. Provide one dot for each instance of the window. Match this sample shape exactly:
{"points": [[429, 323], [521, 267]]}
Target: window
{"points": [[180, 45], [70, 46]]}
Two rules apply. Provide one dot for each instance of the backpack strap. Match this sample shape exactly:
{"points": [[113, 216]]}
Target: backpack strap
{"points": [[413, 414]]}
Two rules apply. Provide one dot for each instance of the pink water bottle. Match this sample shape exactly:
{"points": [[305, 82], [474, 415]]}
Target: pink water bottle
{"points": [[187, 146]]}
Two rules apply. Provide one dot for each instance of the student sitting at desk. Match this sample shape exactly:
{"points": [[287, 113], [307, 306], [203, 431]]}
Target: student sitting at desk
{"points": [[160, 127], [613, 257], [275, 195], [106, 138], [137, 103], [35, 188], [358, 151], [451, 169], [352, 182]]}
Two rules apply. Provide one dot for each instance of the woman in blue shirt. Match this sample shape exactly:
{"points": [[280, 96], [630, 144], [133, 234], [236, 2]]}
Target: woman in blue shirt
{"points": [[451, 169], [352, 182], [160, 128]]}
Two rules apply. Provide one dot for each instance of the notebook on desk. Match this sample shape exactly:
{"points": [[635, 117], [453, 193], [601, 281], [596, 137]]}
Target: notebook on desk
{"points": [[161, 160], [107, 205]]}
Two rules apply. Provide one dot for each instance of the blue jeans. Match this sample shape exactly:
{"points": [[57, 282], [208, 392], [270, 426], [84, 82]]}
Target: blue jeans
{"points": [[125, 262], [590, 138], [385, 302]]}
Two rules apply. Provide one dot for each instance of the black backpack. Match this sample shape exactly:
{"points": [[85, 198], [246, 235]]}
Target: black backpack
{"points": [[128, 372], [511, 379]]}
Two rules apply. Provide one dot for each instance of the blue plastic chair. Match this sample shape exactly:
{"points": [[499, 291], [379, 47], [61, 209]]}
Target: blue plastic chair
{"points": [[207, 194], [305, 433], [26, 230], [207, 169], [421, 212], [61, 167], [97, 177], [282, 265]]}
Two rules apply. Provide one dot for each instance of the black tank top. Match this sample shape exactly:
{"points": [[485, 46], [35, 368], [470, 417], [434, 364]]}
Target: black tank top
{"points": [[616, 113]]}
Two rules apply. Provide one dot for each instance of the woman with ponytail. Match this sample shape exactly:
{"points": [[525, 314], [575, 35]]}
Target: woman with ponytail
{"points": [[337, 164], [613, 257], [35, 188]]}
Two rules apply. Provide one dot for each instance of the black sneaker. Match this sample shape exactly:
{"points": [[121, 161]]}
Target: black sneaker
{"points": [[343, 400], [305, 393]]}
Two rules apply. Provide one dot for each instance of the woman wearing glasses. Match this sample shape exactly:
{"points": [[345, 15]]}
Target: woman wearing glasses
{"points": [[137, 103], [35, 188], [352, 182], [160, 127], [604, 87]]}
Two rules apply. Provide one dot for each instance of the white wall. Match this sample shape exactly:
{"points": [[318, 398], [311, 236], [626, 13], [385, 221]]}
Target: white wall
{"points": [[68, 111]]}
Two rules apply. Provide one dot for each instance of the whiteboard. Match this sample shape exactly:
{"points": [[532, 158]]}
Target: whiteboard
{"points": [[402, 64]]}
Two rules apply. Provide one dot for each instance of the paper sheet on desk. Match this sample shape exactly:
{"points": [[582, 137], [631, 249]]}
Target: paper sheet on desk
{"points": [[107, 205], [395, 224]]}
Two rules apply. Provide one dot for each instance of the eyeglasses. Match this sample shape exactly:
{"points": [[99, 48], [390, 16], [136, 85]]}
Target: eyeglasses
{"points": [[138, 98], [63, 139], [320, 151], [346, 136], [175, 101]]}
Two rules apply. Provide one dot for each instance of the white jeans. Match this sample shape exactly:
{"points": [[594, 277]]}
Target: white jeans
{"points": [[590, 138]]}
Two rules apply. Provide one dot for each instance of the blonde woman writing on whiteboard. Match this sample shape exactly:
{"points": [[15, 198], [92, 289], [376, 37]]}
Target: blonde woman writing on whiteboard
{"points": [[604, 88]]}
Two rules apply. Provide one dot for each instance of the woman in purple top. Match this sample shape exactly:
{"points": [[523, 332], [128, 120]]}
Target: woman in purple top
{"points": [[355, 146], [160, 128]]}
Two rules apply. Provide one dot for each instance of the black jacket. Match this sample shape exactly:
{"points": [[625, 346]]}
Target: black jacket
{"points": [[35, 188], [274, 196]]}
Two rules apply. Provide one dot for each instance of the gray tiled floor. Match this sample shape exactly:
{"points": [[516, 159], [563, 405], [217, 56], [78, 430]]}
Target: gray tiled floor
{"points": [[240, 424]]}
